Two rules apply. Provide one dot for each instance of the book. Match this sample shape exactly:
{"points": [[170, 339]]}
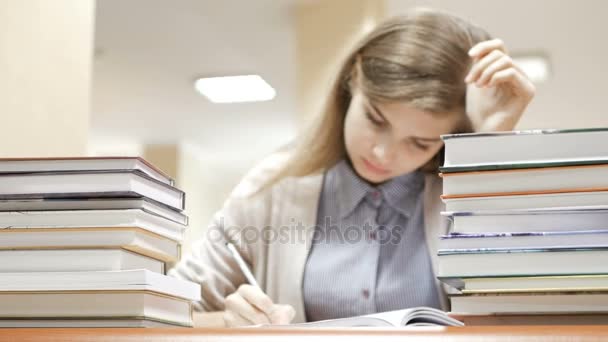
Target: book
{"points": [[85, 304], [71, 204], [529, 226], [528, 240], [59, 219], [546, 318], [526, 181], [526, 201], [33, 165], [89, 322], [418, 316], [537, 302], [133, 239], [525, 146], [129, 280], [531, 283], [512, 262], [66, 260], [67, 184], [529, 220], [522, 166]]}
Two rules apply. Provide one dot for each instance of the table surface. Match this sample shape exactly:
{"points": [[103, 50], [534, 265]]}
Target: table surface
{"points": [[478, 333]]}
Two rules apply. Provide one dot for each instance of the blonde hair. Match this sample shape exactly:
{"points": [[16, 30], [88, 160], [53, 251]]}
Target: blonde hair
{"points": [[420, 58]]}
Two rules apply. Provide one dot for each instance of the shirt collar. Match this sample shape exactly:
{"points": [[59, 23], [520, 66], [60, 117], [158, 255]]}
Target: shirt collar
{"points": [[400, 193]]}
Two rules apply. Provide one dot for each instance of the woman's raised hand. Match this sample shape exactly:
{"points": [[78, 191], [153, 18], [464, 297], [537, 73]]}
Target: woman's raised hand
{"points": [[498, 91]]}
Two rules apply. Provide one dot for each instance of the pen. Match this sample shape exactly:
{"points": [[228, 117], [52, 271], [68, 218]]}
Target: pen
{"points": [[242, 264]]}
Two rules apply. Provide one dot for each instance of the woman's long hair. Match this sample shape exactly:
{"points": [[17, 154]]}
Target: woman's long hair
{"points": [[420, 58]]}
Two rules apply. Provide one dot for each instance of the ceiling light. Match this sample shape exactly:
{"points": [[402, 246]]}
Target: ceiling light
{"points": [[229, 89]]}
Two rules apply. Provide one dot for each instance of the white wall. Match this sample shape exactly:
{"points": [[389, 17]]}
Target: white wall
{"points": [[207, 178], [151, 51], [325, 32], [572, 32], [45, 68]]}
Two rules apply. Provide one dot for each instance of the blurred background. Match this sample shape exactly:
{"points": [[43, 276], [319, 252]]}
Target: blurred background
{"points": [[116, 77]]}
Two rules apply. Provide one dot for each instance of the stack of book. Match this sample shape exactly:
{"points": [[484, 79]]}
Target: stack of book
{"points": [[84, 242], [529, 237]]}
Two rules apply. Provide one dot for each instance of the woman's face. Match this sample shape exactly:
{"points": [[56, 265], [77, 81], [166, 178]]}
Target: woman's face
{"points": [[386, 140]]}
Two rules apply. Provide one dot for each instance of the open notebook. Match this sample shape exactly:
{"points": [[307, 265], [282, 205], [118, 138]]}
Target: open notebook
{"points": [[418, 316]]}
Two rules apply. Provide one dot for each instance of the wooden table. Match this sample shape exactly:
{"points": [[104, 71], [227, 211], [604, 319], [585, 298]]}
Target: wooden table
{"points": [[481, 333]]}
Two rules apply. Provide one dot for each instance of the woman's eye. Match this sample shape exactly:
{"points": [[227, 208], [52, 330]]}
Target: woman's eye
{"points": [[420, 146], [372, 119]]}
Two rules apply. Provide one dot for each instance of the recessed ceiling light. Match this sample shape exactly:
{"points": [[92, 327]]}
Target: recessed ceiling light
{"points": [[230, 89], [535, 67]]}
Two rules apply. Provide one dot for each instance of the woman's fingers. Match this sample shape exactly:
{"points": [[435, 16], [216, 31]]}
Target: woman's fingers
{"points": [[257, 298], [498, 91], [276, 313], [485, 47], [493, 66], [482, 64], [248, 305], [236, 304], [500, 64], [282, 314], [520, 84]]}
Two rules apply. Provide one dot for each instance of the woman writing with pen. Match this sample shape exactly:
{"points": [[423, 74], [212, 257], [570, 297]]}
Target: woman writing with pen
{"points": [[343, 221]]}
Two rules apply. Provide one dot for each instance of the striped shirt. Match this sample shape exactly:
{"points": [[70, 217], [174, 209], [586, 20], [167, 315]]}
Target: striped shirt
{"points": [[368, 252]]}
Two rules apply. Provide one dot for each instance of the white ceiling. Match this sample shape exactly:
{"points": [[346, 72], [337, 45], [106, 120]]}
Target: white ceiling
{"points": [[149, 52]]}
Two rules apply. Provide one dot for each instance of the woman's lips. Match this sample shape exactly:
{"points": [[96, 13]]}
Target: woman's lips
{"points": [[374, 168]]}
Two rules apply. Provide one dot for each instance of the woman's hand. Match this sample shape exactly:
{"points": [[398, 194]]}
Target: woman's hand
{"points": [[249, 305], [498, 91]]}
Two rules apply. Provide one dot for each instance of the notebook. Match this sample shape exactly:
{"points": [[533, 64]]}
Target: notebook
{"points": [[418, 316]]}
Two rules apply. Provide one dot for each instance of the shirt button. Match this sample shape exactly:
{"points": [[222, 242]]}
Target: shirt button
{"points": [[376, 194], [365, 293]]}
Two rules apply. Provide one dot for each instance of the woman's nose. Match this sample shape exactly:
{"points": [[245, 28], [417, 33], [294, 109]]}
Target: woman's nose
{"points": [[379, 151], [382, 151]]}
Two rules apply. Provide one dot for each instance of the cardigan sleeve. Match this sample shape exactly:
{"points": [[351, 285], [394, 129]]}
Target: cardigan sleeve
{"points": [[210, 263]]}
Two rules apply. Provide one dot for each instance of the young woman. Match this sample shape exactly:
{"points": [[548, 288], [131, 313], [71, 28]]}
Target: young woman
{"points": [[343, 222]]}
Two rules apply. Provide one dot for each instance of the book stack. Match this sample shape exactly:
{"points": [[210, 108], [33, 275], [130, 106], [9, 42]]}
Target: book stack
{"points": [[84, 242], [529, 237]]}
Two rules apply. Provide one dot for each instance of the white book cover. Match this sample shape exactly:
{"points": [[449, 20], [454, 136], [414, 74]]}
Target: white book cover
{"points": [[539, 303], [129, 280], [130, 238], [581, 218], [110, 203], [525, 146], [92, 219], [531, 283], [34, 165], [526, 181], [98, 304], [89, 185], [89, 322], [67, 260], [515, 262], [528, 201]]}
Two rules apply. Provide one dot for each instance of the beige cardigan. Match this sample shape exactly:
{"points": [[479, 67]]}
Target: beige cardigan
{"points": [[278, 265]]}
